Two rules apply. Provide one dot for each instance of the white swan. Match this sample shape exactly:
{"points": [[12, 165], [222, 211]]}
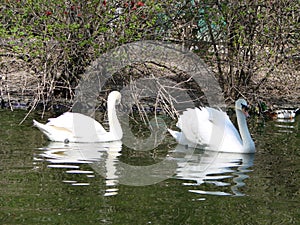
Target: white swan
{"points": [[213, 129], [76, 127]]}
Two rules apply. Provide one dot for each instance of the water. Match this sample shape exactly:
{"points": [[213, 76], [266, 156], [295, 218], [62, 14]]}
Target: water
{"points": [[54, 183]]}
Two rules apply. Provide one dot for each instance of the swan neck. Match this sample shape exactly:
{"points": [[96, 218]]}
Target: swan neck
{"points": [[248, 143], [114, 125]]}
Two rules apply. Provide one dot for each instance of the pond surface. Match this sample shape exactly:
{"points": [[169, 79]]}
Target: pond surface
{"points": [[54, 183]]}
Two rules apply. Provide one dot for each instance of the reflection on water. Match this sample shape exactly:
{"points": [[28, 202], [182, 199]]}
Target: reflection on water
{"points": [[31, 193], [219, 169], [200, 167], [102, 157], [285, 125]]}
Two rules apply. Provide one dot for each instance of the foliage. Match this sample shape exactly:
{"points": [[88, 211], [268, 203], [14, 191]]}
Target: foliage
{"points": [[247, 43], [59, 38], [259, 37]]}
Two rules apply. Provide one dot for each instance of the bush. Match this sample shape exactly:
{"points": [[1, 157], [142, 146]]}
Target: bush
{"points": [[60, 38], [247, 43]]}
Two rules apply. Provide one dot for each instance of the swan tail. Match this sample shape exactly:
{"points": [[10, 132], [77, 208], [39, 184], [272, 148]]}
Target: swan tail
{"points": [[42, 127], [53, 133], [175, 134], [38, 124], [180, 138]]}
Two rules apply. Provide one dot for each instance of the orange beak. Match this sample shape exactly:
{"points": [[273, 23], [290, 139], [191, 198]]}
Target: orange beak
{"points": [[245, 113]]}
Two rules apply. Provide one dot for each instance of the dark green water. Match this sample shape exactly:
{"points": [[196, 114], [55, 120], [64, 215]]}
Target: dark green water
{"points": [[42, 183]]}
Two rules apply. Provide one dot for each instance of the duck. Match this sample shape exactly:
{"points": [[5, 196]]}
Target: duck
{"points": [[212, 129], [263, 110], [77, 127], [286, 113]]}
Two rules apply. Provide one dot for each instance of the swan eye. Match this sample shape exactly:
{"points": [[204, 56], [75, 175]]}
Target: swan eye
{"points": [[245, 107]]}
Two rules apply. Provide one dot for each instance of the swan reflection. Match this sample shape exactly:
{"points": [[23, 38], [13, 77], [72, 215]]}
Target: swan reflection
{"points": [[206, 172], [102, 158], [285, 125], [219, 169]]}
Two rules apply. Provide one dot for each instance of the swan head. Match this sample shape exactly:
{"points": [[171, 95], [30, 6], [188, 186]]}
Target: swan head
{"points": [[114, 96], [242, 105]]}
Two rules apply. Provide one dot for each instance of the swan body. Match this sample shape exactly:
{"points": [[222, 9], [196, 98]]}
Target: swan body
{"points": [[212, 129], [76, 127]]}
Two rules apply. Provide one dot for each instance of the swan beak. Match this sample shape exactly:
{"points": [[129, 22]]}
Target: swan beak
{"points": [[246, 113]]}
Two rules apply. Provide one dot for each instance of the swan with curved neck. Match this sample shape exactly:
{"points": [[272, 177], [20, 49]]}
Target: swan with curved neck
{"points": [[76, 127], [212, 129]]}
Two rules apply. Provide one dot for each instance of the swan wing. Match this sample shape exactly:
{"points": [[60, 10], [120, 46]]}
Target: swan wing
{"points": [[76, 121], [181, 139], [210, 127], [74, 127], [54, 133], [195, 125]]}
